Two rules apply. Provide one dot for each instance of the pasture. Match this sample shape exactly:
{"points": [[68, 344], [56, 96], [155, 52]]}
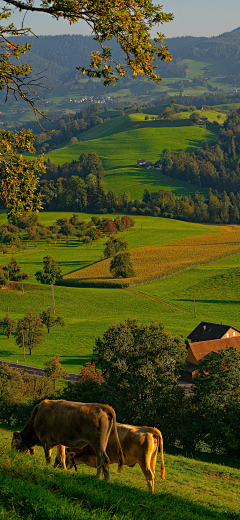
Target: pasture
{"points": [[89, 312], [121, 141], [197, 486]]}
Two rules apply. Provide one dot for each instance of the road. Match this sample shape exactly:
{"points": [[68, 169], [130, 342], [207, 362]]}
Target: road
{"points": [[38, 371]]}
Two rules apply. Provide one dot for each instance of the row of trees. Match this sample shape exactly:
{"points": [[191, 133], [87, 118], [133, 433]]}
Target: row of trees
{"points": [[29, 331], [210, 166], [28, 228], [88, 164], [66, 128]]}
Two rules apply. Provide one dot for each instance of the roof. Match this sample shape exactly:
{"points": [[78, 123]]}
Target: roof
{"points": [[201, 349], [207, 331]]}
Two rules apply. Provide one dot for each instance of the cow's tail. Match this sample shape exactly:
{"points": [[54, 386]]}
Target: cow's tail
{"points": [[113, 423], [160, 445]]}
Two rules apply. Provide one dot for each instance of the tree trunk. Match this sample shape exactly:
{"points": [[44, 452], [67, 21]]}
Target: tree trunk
{"points": [[30, 351]]}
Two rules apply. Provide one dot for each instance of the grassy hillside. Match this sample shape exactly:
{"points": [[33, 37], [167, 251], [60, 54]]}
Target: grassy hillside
{"points": [[200, 487], [88, 312], [121, 141]]}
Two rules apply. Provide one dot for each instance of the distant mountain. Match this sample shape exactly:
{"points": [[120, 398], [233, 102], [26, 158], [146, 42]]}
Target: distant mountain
{"points": [[60, 55]]}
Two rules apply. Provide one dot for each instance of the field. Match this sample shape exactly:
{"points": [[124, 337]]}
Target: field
{"points": [[199, 486], [89, 312], [121, 141], [157, 262]]}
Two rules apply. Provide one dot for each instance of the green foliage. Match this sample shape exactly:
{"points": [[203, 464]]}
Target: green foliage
{"points": [[18, 179], [49, 320], [8, 326], [121, 266], [51, 272], [19, 392], [30, 333], [14, 271], [216, 397], [140, 364], [55, 370], [113, 246]]}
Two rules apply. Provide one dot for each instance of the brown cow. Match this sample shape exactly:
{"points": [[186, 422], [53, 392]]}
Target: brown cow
{"points": [[139, 444], [71, 424]]}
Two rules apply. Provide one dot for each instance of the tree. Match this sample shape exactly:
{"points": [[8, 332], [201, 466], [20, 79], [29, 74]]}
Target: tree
{"points": [[14, 271], [54, 370], [130, 23], [50, 275], [8, 326], [121, 266], [194, 117], [216, 395], [113, 246], [139, 363], [48, 319], [30, 333]]}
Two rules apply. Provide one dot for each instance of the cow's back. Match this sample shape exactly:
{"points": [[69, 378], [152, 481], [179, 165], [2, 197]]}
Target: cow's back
{"points": [[67, 422]]}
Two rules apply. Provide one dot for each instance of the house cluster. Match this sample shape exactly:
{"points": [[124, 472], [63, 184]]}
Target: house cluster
{"points": [[208, 338], [91, 99], [148, 164]]}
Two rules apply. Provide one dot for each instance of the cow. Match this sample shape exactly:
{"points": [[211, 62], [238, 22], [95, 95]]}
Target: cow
{"points": [[139, 444], [68, 423]]}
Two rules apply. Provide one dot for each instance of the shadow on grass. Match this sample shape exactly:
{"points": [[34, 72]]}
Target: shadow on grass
{"points": [[216, 302], [77, 361], [205, 457]]}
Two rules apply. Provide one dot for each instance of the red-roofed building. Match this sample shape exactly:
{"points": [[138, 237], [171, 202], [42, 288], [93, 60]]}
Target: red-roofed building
{"points": [[208, 338]]}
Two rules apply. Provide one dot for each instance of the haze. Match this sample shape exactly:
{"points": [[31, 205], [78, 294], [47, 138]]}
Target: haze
{"points": [[205, 18]]}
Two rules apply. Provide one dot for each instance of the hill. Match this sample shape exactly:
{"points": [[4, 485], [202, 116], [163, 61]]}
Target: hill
{"points": [[121, 141], [200, 66], [29, 488], [89, 312]]}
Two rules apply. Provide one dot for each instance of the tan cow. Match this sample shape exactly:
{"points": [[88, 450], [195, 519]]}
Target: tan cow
{"points": [[71, 424], [139, 444]]}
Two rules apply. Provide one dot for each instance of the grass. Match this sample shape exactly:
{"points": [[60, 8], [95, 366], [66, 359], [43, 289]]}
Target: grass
{"points": [[89, 312], [202, 487], [121, 141], [154, 262]]}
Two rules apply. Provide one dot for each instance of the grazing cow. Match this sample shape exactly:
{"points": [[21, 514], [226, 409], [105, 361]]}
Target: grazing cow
{"points": [[71, 424], [139, 444]]}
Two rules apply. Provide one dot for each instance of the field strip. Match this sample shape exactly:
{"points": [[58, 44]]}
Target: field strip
{"points": [[153, 263], [157, 300]]}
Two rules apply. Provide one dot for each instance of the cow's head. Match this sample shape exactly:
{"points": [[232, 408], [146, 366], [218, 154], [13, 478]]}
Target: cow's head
{"points": [[19, 444], [69, 459]]}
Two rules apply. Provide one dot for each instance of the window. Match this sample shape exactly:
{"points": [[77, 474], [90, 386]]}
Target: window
{"points": [[227, 335], [234, 333]]}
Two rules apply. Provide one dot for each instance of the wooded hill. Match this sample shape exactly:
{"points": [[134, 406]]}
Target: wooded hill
{"points": [[60, 55]]}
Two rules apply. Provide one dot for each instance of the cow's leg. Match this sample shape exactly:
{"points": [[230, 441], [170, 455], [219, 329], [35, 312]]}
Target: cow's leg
{"points": [[48, 453], [145, 464], [103, 465], [60, 460]]}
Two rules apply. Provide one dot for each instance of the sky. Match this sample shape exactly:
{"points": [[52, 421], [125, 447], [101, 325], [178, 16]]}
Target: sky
{"points": [[191, 18]]}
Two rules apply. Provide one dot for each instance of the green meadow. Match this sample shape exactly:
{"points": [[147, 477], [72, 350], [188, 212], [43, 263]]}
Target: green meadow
{"points": [[121, 141], [197, 486], [88, 312]]}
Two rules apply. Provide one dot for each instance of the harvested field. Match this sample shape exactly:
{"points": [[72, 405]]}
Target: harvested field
{"points": [[156, 262]]}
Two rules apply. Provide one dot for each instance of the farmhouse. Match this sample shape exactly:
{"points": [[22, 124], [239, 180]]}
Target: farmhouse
{"points": [[208, 338], [207, 331]]}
